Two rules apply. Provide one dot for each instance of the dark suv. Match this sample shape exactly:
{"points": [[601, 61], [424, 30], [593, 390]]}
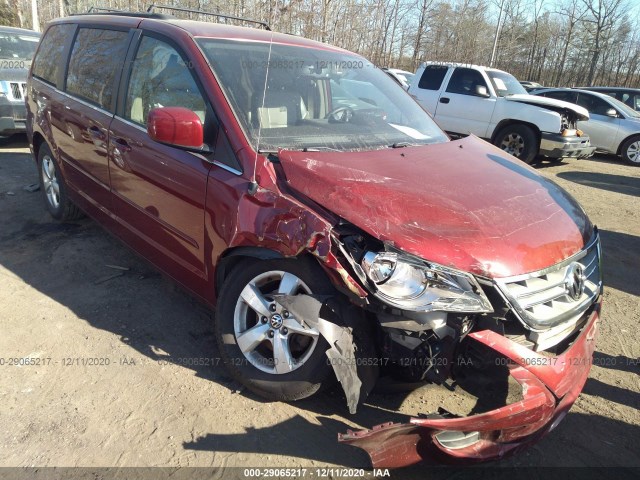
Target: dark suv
{"points": [[335, 228]]}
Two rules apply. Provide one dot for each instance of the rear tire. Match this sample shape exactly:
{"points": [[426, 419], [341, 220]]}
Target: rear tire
{"points": [[54, 189], [302, 368], [518, 140], [630, 151]]}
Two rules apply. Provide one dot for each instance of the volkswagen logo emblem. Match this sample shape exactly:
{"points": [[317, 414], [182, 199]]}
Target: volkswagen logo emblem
{"points": [[574, 280], [276, 321]]}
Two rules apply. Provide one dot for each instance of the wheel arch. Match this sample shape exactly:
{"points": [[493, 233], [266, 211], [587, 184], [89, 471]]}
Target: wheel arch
{"points": [[512, 121], [38, 140]]}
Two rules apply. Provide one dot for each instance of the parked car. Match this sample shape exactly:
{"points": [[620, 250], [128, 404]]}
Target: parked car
{"points": [[491, 104], [336, 230], [403, 77], [613, 126], [17, 47], [628, 96], [528, 86]]}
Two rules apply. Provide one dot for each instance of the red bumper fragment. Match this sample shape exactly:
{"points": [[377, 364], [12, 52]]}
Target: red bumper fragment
{"points": [[550, 387]]}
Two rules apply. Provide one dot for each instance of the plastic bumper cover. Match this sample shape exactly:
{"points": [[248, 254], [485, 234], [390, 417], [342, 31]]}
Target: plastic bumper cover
{"points": [[550, 387], [556, 146], [12, 117]]}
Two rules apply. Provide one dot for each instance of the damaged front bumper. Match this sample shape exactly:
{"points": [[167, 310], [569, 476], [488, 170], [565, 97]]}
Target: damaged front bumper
{"points": [[554, 145], [550, 387]]}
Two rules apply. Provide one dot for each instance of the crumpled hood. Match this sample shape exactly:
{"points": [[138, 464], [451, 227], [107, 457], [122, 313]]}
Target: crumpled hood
{"points": [[465, 204], [581, 112]]}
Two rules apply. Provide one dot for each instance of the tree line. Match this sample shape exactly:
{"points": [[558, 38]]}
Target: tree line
{"points": [[553, 42]]}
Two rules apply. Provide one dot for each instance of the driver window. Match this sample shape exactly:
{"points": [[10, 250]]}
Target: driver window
{"points": [[160, 78], [465, 81], [593, 104]]}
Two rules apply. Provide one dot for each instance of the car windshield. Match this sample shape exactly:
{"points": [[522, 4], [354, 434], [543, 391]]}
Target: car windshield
{"points": [[17, 46], [505, 84], [624, 108], [300, 98]]}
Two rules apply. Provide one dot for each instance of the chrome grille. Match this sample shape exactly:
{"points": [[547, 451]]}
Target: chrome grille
{"points": [[557, 295], [18, 90]]}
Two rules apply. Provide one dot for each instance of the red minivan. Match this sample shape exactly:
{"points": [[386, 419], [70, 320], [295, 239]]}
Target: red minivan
{"points": [[335, 228]]}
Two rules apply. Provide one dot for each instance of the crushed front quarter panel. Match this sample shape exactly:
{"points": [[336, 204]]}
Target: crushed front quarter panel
{"points": [[550, 387]]}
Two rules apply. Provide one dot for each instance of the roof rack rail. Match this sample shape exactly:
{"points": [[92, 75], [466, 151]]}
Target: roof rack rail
{"points": [[98, 9], [202, 12], [125, 13]]}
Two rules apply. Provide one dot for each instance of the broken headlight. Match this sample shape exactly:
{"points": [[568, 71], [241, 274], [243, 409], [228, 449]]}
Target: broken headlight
{"points": [[409, 284]]}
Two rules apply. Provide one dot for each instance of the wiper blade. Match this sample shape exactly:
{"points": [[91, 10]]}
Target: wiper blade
{"points": [[320, 149], [404, 144]]}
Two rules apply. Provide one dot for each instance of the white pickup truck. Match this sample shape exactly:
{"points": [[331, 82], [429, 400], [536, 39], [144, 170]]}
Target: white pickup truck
{"points": [[491, 104]]}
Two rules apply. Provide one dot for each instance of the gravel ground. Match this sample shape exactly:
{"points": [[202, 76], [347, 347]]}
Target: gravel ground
{"points": [[109, 386]]}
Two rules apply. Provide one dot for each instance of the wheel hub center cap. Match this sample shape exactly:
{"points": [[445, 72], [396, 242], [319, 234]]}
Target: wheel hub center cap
{"points": [[276, 321]]}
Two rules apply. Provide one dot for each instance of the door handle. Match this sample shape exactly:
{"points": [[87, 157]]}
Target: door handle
{"points": [[96, 133], [444, 99], [120, 145]]}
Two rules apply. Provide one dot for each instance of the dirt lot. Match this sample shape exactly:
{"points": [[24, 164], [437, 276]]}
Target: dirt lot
{"points": [[141, 406]]}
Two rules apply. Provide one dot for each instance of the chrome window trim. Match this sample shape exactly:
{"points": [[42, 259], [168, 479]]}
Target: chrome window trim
{"points": [[85, 103], [131, 124]]}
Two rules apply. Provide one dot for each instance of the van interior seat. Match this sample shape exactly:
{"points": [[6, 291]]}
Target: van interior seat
{"points": [[280, 109]]}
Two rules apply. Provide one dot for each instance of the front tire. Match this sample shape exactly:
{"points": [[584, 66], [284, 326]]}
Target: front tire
{"points": [[54, 189], [630, 151], [263, 347], [519, 141]]}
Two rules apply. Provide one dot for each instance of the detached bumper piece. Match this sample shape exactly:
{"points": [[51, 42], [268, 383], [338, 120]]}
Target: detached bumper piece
{"points": [[557, 146], [550, 386]]}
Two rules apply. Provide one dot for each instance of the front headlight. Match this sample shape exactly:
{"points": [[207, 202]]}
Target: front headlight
{"points": [[410, 284]]}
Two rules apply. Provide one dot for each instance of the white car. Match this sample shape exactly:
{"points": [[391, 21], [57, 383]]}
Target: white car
{"points": [[613, 126], [491, 104], [403, 77]]}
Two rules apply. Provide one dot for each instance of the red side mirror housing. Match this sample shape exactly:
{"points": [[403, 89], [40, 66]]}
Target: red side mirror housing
{"points": [[177, 126]]}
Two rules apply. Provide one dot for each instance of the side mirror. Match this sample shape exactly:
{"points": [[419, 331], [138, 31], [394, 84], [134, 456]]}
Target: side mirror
{"points": [[177, 126], [481, 91], [612, 112]]}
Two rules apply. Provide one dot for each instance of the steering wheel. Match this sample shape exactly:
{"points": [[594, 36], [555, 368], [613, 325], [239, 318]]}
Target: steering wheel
{"points": [[340, 115]]}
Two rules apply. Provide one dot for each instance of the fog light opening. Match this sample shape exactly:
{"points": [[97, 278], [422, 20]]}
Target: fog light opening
{"points": [[454, 440]]}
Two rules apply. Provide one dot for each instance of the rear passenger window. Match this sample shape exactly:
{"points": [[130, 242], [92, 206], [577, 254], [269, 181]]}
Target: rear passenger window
{"points": [[432, 77], [94, 65], [571, 97], [160, 78], [46, 65], [465, 81]]}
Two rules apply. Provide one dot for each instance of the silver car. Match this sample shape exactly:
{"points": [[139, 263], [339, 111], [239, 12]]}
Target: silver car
{"points": [[17, 47], [612, 126]]}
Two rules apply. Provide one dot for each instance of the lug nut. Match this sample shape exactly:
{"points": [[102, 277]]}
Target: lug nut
{"points": [[271, 333], [272, 307], [285, 314], [264, 319], [285, 330]]}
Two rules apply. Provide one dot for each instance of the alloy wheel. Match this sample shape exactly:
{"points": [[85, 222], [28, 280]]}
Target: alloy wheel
{"points": [[513, 144], [50, 181], [633, 152], [269, 336]]}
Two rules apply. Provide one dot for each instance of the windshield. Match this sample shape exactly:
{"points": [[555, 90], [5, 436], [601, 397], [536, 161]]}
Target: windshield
{"points": [[505, 83], [304, 98], [17, 46], [624, 108]]}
